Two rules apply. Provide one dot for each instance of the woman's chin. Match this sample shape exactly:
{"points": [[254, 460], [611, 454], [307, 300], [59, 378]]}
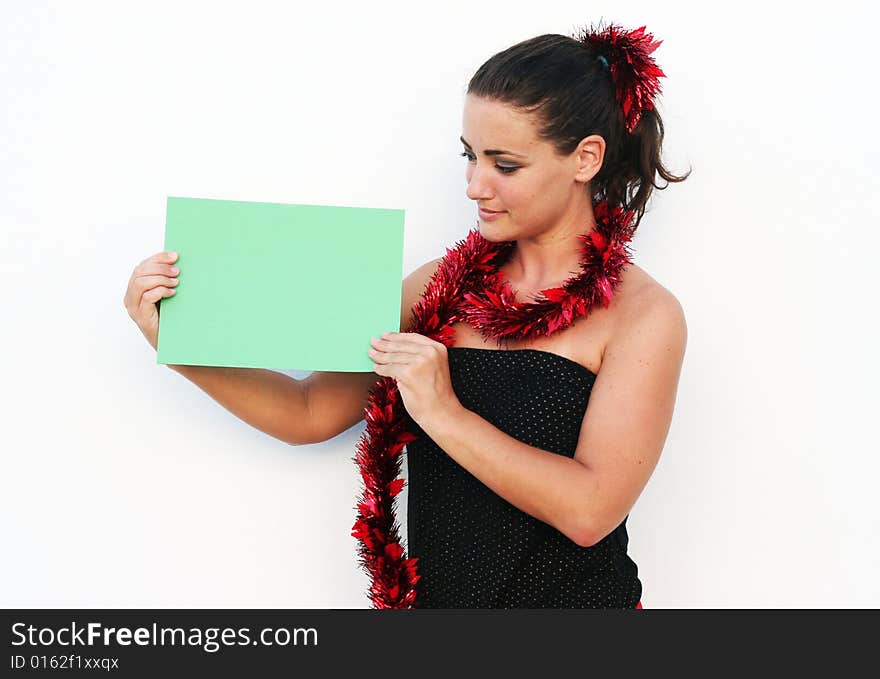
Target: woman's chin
{"points": [[492, 233]]}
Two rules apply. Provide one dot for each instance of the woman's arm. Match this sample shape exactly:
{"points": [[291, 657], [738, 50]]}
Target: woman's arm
{"points": [[278, 404], [622, 435], [298, 412]]}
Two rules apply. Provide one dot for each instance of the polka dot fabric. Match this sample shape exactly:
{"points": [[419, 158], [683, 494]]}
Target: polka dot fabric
{"points": [[475, 549]]}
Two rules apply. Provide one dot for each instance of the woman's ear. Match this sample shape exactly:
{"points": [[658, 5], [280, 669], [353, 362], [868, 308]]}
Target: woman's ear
{"points": [[588, 157]]}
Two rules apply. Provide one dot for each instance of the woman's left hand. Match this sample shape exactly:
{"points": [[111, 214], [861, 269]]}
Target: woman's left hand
{"points": [[420, 367]]}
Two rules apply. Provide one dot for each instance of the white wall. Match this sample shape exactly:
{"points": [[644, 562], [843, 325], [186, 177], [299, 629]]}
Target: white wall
{"points": [[123, 485]]}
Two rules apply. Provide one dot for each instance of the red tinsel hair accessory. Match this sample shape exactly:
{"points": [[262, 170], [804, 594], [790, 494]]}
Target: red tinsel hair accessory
{"points": [[634, 72]]}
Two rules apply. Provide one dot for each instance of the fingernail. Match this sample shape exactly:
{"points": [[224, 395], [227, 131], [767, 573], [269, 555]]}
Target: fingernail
{"points": [[174, 269]]}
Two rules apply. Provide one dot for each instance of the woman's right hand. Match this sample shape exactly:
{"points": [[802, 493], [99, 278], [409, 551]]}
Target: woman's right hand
{"points": [[151, 280]]}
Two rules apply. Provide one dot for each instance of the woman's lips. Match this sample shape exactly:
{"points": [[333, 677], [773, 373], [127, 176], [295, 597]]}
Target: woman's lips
{"points": [[488, 215]]}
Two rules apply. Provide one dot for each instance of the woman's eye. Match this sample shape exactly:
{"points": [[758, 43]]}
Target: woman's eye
{"points": [[502, 168]]}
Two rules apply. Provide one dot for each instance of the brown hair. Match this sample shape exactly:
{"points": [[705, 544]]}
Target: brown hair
{"points": [[563, 80]]}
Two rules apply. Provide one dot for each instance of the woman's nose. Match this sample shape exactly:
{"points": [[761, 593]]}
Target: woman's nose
{"points": [[476, 188]]}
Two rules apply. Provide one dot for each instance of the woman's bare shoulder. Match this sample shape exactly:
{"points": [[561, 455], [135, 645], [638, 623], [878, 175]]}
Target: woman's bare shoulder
{"points": [[644, 300], [413, 287]]}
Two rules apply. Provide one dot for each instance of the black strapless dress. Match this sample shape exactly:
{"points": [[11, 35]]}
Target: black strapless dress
{"points": [[475, 549]]}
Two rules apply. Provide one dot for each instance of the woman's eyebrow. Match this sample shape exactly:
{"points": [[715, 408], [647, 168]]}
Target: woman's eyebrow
{"points": [[494, 152]]}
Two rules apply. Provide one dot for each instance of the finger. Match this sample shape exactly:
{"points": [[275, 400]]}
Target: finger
{"points": [[384, 370], [387, 358], [164, 257], [161, 262], [413, 342], [145, 283], [408, 337], [154, 295], [400, 346], [148, 268], [140, 284], [417, 351]]}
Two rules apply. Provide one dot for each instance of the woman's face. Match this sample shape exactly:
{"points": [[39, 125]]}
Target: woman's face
{"points": [[533, 187]]}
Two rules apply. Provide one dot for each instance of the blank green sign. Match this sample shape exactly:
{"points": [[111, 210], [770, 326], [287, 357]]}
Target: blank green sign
{"points": [[285, 287]]}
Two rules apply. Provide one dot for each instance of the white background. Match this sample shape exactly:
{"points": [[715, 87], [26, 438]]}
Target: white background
{"points": [[124, 485]]}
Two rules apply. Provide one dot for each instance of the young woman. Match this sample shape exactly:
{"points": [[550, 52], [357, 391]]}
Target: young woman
{"points": [[536, 364]]}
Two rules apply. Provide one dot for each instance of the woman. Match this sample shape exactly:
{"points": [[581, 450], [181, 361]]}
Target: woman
{"points": [[529, 440]]}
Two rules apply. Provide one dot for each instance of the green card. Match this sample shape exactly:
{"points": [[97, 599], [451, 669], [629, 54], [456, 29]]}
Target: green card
{"points": [[279, 286]]}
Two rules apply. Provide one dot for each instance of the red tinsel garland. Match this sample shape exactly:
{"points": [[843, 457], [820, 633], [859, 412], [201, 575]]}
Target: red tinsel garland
{"points": [[467, 287]]}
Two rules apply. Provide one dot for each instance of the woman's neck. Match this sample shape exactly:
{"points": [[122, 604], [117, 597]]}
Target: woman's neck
{"points": [[550, 257]]}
